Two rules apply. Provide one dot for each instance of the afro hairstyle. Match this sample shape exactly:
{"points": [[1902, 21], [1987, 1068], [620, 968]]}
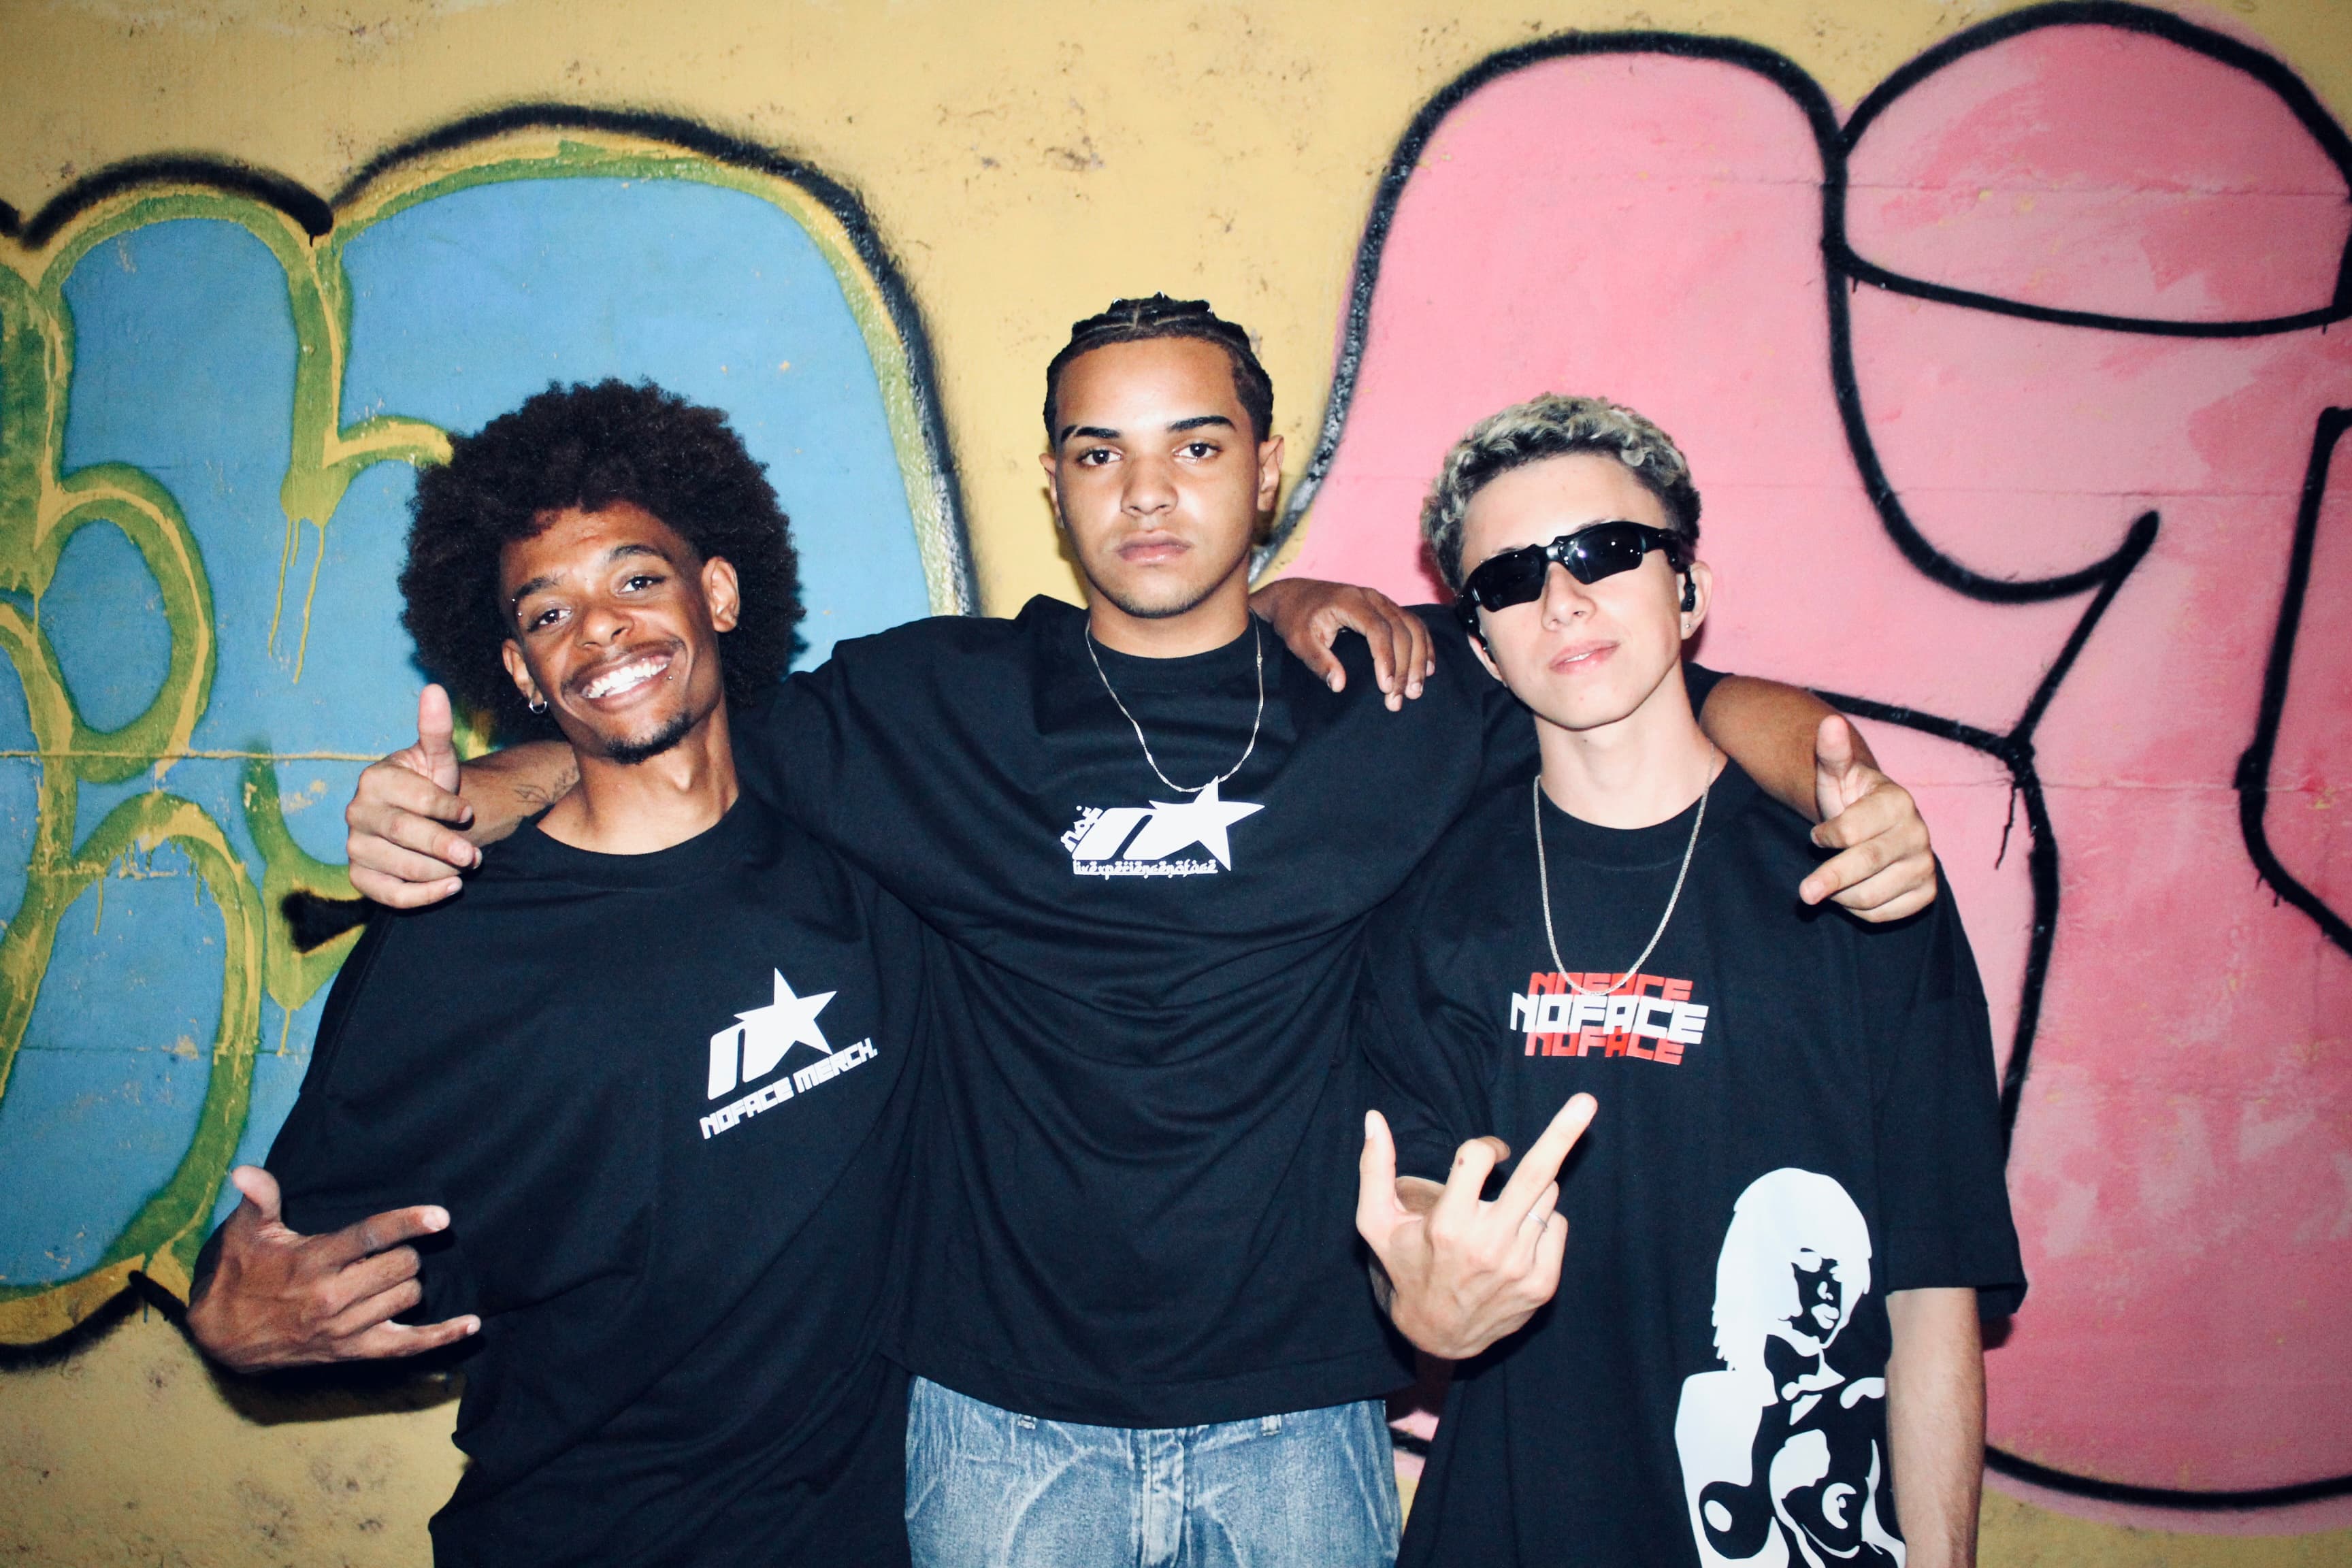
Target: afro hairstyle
{"points": [[587, 447]]}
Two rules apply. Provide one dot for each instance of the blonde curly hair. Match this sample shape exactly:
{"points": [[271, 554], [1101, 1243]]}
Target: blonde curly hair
{"points": [[1553, 425]]}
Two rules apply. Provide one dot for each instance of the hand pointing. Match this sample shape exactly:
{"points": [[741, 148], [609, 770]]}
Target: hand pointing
{"points": [[1885, 869]]}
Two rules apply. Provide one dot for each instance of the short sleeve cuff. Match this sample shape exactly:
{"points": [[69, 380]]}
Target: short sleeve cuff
{"points": [[1699, 682], [1983, 1259]]}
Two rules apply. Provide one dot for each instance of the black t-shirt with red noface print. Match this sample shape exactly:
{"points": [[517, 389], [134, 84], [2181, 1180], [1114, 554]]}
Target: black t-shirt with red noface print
{"points": [[1797, 1117]]}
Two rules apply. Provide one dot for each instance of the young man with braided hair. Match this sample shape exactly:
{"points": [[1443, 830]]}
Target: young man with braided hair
{"points": [[1148, 835], [1742, 1326], [668, 1246]]}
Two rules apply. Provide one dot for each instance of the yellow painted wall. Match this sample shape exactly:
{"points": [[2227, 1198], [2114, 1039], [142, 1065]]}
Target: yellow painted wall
{"points": [[1026, 163]]}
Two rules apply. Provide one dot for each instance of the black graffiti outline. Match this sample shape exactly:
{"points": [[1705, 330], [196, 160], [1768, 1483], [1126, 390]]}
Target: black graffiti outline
{"points": [[2015, 749], [2254, 776], [2267, 69], [312, 920], [1843, 272], [317, 214]]}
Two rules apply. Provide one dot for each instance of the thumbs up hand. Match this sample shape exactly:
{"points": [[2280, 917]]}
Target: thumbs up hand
{"points": [[403, 849]]}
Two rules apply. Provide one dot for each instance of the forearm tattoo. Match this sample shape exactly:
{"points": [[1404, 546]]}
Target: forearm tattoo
{"points": [[538, 797]]}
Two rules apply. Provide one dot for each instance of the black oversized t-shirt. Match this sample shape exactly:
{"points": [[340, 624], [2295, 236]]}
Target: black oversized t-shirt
{"points": [[1797, 1117], [1139, 1155], [664, 1099]]}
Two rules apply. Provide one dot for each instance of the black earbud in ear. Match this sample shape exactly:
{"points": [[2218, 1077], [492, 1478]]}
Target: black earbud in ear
{"points": [[1690, 591]]}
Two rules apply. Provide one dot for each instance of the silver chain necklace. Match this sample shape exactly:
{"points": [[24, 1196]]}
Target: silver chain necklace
{"points": [[1257, 639], [1543, 880]]}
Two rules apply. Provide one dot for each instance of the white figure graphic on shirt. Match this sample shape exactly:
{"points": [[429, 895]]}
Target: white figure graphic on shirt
{"points": [[1783, 1455]]}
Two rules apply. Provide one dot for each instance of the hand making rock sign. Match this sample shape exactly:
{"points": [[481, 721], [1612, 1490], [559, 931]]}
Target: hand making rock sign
{"points": [[269, 1297], [1456, 1272]]}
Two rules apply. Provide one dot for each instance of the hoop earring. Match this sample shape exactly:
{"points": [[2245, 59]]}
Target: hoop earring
{"points": [[539, 706]]}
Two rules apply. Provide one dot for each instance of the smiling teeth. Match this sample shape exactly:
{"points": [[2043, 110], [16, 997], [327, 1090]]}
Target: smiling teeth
{"points": [[623, 679]]}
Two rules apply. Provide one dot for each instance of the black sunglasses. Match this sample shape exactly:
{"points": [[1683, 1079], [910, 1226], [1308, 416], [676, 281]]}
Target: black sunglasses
{"points": [[1601, 550]]}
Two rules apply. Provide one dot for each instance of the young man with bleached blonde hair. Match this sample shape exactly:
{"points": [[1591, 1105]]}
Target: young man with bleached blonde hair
{"points": [[1724, 1310]]}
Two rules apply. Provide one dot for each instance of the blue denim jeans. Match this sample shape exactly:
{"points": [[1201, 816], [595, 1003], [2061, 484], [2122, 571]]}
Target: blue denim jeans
{"points": [[989, 1489]]}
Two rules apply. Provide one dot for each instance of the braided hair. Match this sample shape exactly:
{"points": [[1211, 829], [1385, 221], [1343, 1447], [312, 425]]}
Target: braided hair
{"points": [[1138, 321]]}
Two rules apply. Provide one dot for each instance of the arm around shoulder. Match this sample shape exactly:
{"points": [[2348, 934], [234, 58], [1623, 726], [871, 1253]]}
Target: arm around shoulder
{"points": [[1309, 616], [1768, 729], [504, 787], [1813, 761]]}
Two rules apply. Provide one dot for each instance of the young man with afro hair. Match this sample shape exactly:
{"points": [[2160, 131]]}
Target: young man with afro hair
{"points": [[652, 1128], [587, 447], [1740, 1327]]}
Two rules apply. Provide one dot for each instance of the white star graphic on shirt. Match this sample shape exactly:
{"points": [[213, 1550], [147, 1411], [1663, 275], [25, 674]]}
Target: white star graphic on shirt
{"points": [[769, 1032], [1200, 820]]}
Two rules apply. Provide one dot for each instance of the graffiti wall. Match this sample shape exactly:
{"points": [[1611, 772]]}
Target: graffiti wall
{"points": [[2013, 397], [215, 394], [2011, 354]]}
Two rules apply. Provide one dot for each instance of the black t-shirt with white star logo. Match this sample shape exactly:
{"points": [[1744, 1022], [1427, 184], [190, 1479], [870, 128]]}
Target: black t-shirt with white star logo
{"points": [[1135, 1206], [1797, 1117], [666, 1099]]}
